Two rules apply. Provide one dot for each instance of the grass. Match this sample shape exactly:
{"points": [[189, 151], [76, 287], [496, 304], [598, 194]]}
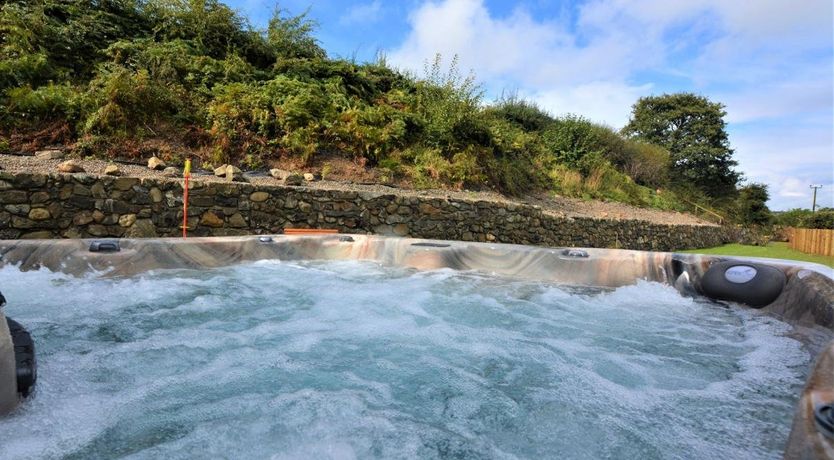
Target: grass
{"points": [[773, 250]]}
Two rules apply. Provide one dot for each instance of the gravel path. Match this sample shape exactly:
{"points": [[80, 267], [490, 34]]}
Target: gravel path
{"points": [[560, 206]]}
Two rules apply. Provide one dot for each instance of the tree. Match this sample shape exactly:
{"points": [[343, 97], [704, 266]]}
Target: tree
{"points": [[692, 128], [752, 204]]}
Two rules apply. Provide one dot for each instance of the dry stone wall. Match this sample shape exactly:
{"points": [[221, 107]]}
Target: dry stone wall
{"points": [[87, 206]]}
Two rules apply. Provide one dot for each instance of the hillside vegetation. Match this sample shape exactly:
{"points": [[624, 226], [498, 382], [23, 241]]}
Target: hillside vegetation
{"points": [[175, 78]]}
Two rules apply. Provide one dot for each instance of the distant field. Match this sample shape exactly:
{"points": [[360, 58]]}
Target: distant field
{"points": [[773, 251]]}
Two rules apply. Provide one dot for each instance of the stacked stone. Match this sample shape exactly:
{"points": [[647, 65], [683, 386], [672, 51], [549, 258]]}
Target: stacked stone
{"points": [[82, 206]]}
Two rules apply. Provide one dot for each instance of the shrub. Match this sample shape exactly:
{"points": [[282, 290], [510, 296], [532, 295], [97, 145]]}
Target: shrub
{"points": [[647, 164], [569, 139], [525, 114], [819, 219], [47, 103], [121, 101]]}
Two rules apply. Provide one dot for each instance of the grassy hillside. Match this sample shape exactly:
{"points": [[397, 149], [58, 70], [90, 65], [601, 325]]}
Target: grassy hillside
{"points": [[175, 78]]}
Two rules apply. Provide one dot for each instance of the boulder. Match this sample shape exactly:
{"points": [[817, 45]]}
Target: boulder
{"points": [[171, 171], [210, 219], [294, 179], [310, 177], [142, 228], [51, 154], [127, 220], [39, 214], [280, 174], [70, 166], [112, 170], [258, 197], [156, 164], [233, 173], [220, 171]]}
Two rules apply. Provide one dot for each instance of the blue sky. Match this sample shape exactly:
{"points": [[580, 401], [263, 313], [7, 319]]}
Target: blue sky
{"points": [[771, 62]]}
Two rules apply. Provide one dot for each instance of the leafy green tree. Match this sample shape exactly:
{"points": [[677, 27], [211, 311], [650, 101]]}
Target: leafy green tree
{"points": [[693, 130], [752, 205]]}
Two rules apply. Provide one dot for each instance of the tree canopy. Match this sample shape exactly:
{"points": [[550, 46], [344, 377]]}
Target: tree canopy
{"points": [[693, 130], [752, 205]]}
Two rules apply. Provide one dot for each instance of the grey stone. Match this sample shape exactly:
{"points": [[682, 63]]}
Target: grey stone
{"points": [[171, 171], [279, 174], [220, 171], [156, 163], [52, 154], [294, 179]]}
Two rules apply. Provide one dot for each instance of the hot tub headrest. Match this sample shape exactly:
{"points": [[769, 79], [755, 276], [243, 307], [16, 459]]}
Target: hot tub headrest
{"points": [[749, 283]]}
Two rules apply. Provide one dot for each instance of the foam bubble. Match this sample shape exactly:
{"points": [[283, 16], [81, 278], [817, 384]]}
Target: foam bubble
{"points": [[354, 360]]}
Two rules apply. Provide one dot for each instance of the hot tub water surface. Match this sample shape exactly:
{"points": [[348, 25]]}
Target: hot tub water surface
{"points": [[353, 360]]}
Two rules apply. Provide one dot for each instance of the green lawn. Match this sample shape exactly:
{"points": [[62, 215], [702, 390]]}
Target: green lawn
{"points": [[772, 250]]}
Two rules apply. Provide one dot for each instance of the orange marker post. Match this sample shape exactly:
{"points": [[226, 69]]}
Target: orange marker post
{"points": [[187, 175]]}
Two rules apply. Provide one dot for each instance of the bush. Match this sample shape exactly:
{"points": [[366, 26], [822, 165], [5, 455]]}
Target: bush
{"points": [[819, 219], [122, 101], [525, 114], [647, 164], [570, 139], [36, 106]]}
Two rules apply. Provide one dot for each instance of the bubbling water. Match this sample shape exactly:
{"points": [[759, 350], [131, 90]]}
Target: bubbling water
{"points": [[352, 360]]}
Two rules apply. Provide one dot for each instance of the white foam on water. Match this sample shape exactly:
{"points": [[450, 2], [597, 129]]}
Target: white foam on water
{"points": [[348, 360]]}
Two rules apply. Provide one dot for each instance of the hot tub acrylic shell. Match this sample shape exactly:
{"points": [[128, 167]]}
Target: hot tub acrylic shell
{"points": [[806, 300]]}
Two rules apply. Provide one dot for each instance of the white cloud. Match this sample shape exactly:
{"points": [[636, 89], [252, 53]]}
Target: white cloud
{"points": [[362, 13], [601, 101], [769, 62]]}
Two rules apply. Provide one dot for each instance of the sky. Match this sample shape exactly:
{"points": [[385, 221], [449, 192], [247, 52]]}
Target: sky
{"points": [[770, 62]]}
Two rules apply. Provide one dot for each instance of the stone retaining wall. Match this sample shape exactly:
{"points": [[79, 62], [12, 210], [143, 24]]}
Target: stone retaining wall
{"points": [[87, 206]]}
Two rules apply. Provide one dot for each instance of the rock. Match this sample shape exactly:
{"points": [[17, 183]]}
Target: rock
{"points": [[233, 173], [97, 230], [82, 218], [258, 197], [279, 174], [39, 197], [237, 221], [39, 214], [125, 183], [127, 220], [51, 154], [294, 179], [171, 171], [156, 164], [310, 177], [73, 233], [112, 170], [70, 166], [220, 171], [401, 229], [142, 228], [41, 235], [156, 195], [210, 219], [18, 209]]}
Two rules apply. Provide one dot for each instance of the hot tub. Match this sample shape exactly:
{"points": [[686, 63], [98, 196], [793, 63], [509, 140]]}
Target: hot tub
{"points": [[481, 366]]}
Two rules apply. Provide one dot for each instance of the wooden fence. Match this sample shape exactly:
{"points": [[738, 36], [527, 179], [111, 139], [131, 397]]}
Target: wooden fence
{"points": [[812, 240]]}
